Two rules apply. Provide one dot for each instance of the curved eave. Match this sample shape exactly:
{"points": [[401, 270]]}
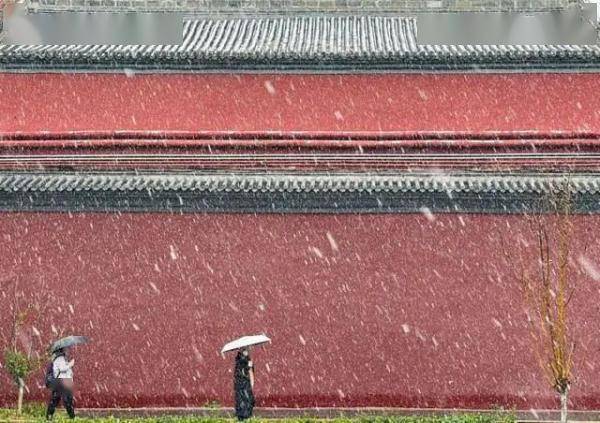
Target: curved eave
{"points": [[410, 62], [298, 42], [291, 192], [321, 66]]}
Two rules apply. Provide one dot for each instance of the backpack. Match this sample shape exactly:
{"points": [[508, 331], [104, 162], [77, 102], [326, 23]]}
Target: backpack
{"points": [[49, 379]]}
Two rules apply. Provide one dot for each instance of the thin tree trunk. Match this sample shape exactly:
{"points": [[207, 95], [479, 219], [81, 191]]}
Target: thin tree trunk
{"points": [[564, 405], [20, 399]]}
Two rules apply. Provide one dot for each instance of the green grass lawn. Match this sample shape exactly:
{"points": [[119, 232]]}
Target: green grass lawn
{"points": [[35, 413]]}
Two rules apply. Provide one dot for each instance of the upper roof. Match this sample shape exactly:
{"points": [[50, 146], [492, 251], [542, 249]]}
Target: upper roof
{"points": [[270, 6], [298, 42], [306, 37]]}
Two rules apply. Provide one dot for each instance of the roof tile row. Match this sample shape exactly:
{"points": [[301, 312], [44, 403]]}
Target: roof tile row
{"points": [[294, 182], [311, 40]]}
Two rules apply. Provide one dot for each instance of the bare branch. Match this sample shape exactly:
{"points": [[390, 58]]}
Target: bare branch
{"points": [[548, 291]]}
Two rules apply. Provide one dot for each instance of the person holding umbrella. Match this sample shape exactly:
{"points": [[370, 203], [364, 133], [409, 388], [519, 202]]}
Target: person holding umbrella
{"points": [[243, 385], [59, 375], [243, 376]]}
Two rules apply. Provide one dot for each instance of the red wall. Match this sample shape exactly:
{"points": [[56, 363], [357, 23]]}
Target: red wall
{"points": [[389, 102], [394, 310], [158, 315]]}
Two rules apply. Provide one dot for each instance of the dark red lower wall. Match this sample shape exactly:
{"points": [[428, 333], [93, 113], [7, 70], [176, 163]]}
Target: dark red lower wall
{"points": [[390, 310]]}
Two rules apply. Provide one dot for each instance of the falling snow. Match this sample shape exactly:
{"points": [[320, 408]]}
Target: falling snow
{"points": [[380, 227]]}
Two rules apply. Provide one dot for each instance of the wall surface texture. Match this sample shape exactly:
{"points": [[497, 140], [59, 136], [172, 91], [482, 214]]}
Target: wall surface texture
{"points": [[461, 103], [387, 310], [415, 310]]}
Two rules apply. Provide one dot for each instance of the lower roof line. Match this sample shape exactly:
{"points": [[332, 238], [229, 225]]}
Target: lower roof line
{"points": [[326, 139]]}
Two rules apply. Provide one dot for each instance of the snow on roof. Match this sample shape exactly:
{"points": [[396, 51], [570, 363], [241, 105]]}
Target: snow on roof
{"points": [[297, 42], [283, 6], [278, 192], [300, 36], [477, 183]]}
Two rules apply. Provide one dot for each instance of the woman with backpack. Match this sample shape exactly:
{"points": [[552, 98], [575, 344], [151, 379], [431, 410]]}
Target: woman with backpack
{"points": [[59, 379]]}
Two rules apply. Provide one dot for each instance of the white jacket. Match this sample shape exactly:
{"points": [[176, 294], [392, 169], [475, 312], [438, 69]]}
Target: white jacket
{"points": [[62, 368]]}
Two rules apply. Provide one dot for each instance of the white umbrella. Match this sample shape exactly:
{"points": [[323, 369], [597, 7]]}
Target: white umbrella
{"points": [[245, 341]]}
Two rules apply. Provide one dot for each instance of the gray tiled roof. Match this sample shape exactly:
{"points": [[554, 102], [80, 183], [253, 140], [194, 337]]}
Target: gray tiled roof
{"points": [[295, 182], [300, 36], [297, 42], [249, 39], [282, 6], [291, 192]]}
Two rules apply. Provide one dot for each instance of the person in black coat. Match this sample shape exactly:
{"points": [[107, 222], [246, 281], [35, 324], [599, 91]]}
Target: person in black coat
{"points": [[243, 383]]}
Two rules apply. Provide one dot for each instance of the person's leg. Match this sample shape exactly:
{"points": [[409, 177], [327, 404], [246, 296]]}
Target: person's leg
{"points": [[67, 397], [252, 403], [54, 400], [245, 404], [238, 403]]}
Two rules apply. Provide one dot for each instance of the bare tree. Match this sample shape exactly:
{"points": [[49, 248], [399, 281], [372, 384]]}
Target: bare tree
{"points": [[548, 291]]}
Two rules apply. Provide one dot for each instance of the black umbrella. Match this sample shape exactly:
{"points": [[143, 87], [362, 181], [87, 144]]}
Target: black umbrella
{"points": [[68, 341]]}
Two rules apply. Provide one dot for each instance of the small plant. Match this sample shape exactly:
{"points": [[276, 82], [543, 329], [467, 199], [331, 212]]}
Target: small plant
{"points": [[23, 354], [20, 365], [214, 404]]}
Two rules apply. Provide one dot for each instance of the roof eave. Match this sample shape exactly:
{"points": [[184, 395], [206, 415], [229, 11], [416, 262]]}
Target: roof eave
{"points": [[291, 192]]}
